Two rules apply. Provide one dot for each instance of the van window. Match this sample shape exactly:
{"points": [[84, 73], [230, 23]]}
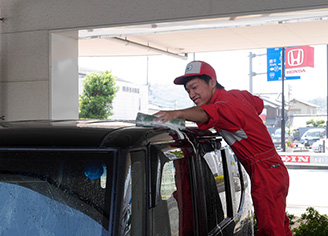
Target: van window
{"points": [[173, 212], [236, 183], [214, 188], [314, 134]]}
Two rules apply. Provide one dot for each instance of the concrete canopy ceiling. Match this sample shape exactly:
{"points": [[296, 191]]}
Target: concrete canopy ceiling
{"points": [[208, 35]]}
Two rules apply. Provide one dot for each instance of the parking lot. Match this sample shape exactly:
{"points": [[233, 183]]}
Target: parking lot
{"points": [[299, 147]]}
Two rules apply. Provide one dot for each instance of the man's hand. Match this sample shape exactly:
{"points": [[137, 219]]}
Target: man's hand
{"points": [[165, 116], [195, 114]]}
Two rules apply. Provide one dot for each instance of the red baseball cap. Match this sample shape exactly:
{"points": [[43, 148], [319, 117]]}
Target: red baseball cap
{"points": [[195, 68]]}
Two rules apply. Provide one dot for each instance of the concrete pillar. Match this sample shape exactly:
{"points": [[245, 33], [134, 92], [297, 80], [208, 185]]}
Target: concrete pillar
{"points": [[24, 79], [64, 95], [39, 75]]}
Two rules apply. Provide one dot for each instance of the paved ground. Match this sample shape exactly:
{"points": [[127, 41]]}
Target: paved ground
{"points": [[308, 187]]}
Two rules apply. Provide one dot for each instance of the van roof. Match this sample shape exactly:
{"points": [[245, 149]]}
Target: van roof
{"points": [[81, 134]]}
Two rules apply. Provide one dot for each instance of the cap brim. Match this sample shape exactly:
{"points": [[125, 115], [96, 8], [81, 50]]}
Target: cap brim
{"points": [[183, 79]]}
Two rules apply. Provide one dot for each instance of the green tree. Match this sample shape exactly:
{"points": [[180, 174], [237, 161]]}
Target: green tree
{"points": [[315, 123], [98, 93]]}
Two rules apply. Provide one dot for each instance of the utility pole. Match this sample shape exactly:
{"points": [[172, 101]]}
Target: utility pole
{"points": [[289, 92], [324, 141], [327, 96], [283, 146], [251, 73], [147, 71]]}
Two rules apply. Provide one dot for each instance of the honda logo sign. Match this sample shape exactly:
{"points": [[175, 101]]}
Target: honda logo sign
{"points": [[295, 57], [299, 57]]}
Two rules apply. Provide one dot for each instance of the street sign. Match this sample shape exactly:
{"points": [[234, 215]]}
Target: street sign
{"points": [[292, 77], [274, 65]]}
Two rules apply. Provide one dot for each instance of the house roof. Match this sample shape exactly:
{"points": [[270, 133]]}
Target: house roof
{"points": [[271, 100], [305, 103], [84, 71], [270, 103]]}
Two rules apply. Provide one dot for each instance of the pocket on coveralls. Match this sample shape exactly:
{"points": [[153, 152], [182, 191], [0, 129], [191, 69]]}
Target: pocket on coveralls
{"points": [[275, 173], [271, 163]]}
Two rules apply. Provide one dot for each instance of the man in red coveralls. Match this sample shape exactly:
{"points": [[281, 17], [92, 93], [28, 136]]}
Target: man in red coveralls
{"points": [[235, 115]]}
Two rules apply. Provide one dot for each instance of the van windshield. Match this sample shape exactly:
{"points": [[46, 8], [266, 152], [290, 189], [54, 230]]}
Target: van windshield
{"points": [[314, 134], [55, 193], [277, 132]]}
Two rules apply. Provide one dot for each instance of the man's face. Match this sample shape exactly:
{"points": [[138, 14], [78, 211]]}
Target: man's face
{"points": [[199, 91]]}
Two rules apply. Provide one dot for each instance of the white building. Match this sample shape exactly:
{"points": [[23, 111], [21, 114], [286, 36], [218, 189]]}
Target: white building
{"points": [[129, 100]]}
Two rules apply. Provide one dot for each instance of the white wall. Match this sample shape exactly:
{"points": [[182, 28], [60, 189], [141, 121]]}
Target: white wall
{"points": [[129, 100], [64, 97], [25, 37]]}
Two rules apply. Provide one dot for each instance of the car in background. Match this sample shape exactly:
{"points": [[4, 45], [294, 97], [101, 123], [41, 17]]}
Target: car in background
{"points": [[319, 145], [104, 178], [276, 137], [312, 135]]}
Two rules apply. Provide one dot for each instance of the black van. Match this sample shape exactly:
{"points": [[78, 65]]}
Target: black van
{"points": [[100, 178]]}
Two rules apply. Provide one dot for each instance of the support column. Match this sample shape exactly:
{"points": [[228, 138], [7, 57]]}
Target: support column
{"points": [[64, 103], [24, 78]]}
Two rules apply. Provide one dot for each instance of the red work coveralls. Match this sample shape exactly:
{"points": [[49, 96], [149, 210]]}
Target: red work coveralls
{"points": [[235, 115]]}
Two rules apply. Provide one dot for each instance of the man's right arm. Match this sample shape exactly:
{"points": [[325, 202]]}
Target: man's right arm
{"points": [[195, 114]]}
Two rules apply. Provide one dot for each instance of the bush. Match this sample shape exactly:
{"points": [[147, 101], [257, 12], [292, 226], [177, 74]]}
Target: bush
{"points": [[98, 93], [315, 123], [312, 224]]}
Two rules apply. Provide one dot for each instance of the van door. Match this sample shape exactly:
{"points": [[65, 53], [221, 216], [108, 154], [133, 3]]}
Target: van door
{"points": [[171, 210], [222, 180]]}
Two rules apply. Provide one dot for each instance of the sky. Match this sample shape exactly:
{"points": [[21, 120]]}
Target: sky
{"points": [[232, 69]]}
